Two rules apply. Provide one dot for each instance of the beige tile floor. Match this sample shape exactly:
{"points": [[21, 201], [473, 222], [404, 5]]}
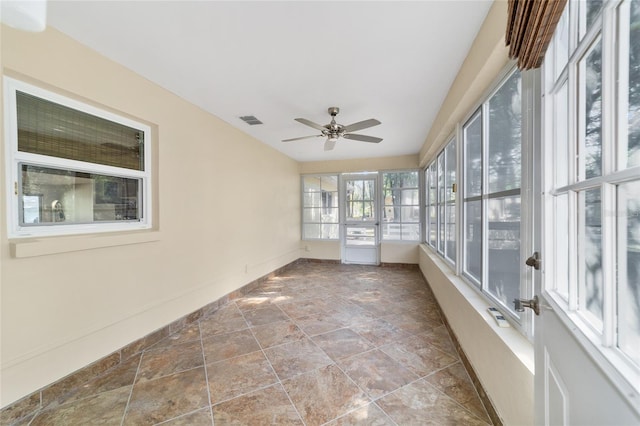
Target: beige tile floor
{"points": [[319, 344]]}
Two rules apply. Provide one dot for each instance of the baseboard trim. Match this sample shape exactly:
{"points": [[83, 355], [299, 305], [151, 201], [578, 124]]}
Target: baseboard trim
{"points": [[491, 411], [25, 408]]}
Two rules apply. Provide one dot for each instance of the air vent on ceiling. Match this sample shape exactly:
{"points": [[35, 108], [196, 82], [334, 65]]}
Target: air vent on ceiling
{"points": [[250, 120]]}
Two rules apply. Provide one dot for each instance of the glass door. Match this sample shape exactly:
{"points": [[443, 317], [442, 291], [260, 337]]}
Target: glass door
{"points": [[360, 239]]}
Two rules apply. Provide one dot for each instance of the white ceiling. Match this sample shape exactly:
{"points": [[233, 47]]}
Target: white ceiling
{"points": [[393, 61]]}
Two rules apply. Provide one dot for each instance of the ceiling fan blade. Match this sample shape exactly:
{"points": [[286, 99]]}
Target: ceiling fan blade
{"points": [[362, 138], [311, 124], [303, 137], [329, 144], [361, 125]]}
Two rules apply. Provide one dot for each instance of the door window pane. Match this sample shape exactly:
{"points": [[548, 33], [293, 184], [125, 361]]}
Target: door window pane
{"points": [[629, 270]]}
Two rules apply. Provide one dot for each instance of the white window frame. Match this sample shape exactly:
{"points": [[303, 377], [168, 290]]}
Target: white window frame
{"points": [[523, 322], [401, 222], [14, 158], [339, 201], [441, 222], [598, 337]]}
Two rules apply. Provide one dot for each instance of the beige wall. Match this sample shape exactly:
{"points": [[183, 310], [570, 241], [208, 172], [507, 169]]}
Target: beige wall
{"points": [[503, 360], [228, 213], [487, 57]]}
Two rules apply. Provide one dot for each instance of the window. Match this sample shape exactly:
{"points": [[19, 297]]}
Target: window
{"points": [[431, 184], [592, 82], [320, 210], [401, 215], [440, 179], [492, 146], [74, 168]]}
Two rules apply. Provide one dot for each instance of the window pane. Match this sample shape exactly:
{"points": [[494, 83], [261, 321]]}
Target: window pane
{"points": [[629, 270], [311, 230], [473, 239], [592, 281], [432, 225], [312, 199], [329, 183], [55, 130], [504, 136], [450, 231], [504, 249], [311, 183], [561, 43], [320, 206], [593, 7], [473, 158], [441, 192], [450, 207], [561, 136], [450, 176], [592, 88], [634, 86], [411, 232], [330, 215], [441, 228], [330, 231], [410, 197], [311, 215], [52, 196], [561, 278]]}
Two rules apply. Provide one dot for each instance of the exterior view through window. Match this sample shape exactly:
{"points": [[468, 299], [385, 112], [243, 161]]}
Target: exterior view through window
{"points": [[592, 86]]}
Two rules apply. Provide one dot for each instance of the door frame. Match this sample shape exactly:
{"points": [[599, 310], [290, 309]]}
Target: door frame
{"points": [[345, 223]]}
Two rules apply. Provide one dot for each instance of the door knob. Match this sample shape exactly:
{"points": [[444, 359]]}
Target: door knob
{"points": [[534, 260], [533, 304]]}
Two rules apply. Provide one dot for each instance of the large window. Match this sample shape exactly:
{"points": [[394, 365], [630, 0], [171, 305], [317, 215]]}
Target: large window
{"points": [[492, 146], [73, 168], [401, 195], [592, 82], [441, 185], [320, 212]]}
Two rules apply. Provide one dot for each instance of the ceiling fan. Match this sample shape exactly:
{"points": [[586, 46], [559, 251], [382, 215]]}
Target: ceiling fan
{"points": [[333, 130]]}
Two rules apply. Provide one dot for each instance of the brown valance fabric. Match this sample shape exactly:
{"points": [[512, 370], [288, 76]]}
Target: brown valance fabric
{"points": [[530, 26]]}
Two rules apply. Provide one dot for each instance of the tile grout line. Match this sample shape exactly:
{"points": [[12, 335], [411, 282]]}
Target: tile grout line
{"points": [[278, 380], [135, 377], [206, 374]]}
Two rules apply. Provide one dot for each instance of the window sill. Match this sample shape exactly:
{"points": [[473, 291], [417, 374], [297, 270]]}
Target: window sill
{"points": [[511, 338], [44, 246]]}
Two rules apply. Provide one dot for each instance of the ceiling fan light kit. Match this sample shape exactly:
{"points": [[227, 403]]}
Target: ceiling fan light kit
{"points": [[333, 131]]}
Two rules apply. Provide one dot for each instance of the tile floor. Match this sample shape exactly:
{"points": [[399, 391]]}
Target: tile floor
{"points": [[319, 344]]}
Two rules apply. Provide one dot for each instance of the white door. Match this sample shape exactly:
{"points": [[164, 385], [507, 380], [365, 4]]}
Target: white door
{"points": [[360, 236], [587, 335]]}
